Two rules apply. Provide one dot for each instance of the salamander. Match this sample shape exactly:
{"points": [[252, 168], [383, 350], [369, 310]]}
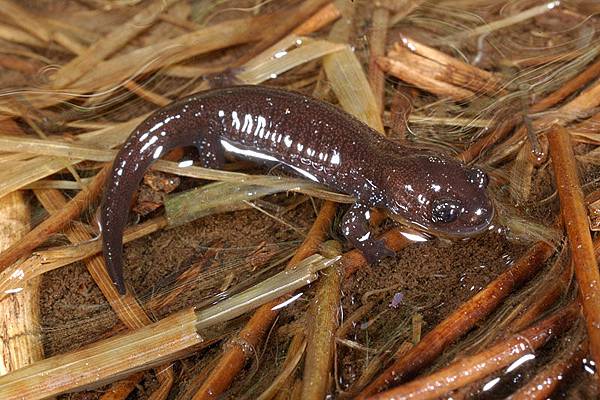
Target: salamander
{"points": [[316, 140]]}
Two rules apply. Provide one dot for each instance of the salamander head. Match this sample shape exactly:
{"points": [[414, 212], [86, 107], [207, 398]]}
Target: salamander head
{"points": [[441, 195]]}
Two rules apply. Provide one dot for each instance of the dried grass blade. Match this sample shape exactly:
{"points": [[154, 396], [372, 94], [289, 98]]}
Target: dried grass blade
{"points": [[322, 323], [25, 20], [283, 25], [16, 275], [151, 345], [20, 334], [318, 20], [217, 198], [352, 88], [422, 80], [127, 308], [267, 66], [521, 173], [105, 360], [117, 38], [446, 68], [377, 42], [11, 34], [23, 173], [239, 178], [56, 222], [503, 23], [266, 292], [18, 176], [153, 57], [172, 51], [54, 148]]}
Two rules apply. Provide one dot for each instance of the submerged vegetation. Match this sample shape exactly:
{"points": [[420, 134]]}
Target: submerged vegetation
{"points": [[242, 286]]}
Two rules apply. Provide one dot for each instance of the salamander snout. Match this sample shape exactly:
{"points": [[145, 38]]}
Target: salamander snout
{"points": [[444, 196]]}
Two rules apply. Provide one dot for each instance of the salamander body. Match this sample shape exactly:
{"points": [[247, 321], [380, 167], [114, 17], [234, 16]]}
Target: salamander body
{"points": [[316, 140]]}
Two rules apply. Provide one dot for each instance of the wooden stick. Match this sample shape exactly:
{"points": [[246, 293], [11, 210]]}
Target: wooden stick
{"points": [[472, 368], [462, 320], [122, 389], [421, 80], [447, 69], [53, 224], [575, 219], [318, 20], [20, 335], [233, 360]]}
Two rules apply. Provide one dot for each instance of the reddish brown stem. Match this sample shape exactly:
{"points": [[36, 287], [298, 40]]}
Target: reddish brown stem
{"points": [[575, 219], [568, 88], [234, 358], [461, 320], [546, 381], [470, 369]]}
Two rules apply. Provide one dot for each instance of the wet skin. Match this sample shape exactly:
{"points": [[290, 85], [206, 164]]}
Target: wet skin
{"points": [[316, 140]]}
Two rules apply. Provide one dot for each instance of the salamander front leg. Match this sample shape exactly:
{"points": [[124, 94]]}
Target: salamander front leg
{"points": [[355, 227]]}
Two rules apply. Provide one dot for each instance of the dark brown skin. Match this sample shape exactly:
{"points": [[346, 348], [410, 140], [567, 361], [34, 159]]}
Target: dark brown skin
{"points": [[317, 141]]}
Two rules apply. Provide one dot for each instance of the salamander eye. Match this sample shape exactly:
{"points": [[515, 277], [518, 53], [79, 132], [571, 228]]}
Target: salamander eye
{"points": [[445, 210], [477, 177]]}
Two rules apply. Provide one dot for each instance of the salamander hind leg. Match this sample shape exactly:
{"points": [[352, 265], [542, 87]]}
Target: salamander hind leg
{"points": [[211, 152], [355, 227]]}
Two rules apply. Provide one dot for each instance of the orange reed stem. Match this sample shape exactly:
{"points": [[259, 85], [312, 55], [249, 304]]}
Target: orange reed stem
{"points": [[575, 220]]}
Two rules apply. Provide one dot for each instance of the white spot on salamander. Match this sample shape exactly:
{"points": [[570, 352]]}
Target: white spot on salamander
{"points": [[247, 124], [335, 158], [261, 122], [287, 140], [235, 121], [366, 236]]}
